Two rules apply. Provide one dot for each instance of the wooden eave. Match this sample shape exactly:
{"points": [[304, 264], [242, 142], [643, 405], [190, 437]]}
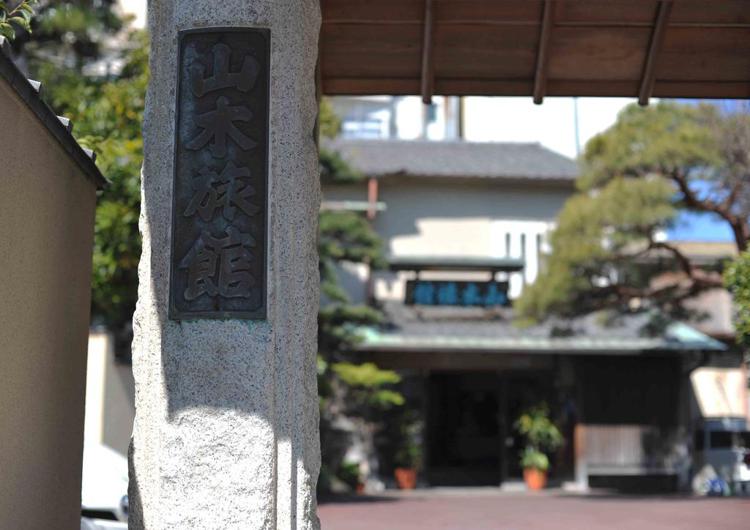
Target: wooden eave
{"points": [[537, 48]]}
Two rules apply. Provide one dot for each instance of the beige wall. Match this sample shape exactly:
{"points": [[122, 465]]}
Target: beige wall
{"points": [[46, 219]]}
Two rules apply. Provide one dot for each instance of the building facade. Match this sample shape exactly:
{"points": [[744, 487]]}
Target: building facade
{"points": [[462, 222]]}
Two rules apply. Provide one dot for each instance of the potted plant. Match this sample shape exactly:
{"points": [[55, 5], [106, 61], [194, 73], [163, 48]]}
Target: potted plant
{"points": [[541, 436], [408, 455], [350, 474], [407, 465]]}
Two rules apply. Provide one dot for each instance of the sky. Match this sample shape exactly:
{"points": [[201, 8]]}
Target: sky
{"points": [[552, 123], [137, 8], [518, 119]]}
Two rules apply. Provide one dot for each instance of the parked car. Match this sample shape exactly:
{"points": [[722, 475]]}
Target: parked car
{"points": [[104, 491]]}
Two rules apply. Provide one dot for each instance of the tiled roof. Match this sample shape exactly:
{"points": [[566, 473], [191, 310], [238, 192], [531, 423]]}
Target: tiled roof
{"points": [[521, 161], [60, 128], [465, 329]]}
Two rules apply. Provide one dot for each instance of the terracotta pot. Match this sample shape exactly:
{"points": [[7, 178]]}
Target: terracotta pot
{"points": [[406, 478], [534, 478]]}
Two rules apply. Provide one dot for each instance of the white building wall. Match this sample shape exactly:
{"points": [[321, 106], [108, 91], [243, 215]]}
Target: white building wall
{"points": [[521, 238], [459, 218], [110, 396]]}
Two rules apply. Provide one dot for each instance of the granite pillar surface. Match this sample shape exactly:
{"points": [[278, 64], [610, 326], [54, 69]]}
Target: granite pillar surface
{"points": [[226, 427]]}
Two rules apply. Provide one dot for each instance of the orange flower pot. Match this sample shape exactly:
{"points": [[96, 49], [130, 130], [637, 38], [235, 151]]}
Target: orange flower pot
{"points": [[406, 478], [534, 478]]}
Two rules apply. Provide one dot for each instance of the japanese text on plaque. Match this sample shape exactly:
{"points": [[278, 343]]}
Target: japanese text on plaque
{"points": [[221, 172]]}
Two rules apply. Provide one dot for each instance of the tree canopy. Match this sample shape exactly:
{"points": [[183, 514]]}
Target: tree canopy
{"points": [[738, 283], [636, 177], [14, 17], [95, 73]]}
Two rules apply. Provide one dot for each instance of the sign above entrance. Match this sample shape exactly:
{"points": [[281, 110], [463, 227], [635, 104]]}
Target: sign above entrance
{"points": [[455, 293], [219, 210]]}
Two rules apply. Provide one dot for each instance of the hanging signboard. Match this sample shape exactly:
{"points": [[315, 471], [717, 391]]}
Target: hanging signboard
{"points": [[457, 293], [219, 209]]}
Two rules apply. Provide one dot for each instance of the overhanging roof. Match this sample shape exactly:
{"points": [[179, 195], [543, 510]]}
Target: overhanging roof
{"points": [[461, 330], [636, 48], [528, 162]]}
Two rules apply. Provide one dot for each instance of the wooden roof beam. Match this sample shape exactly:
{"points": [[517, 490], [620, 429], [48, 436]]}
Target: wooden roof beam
{"points": [[658, 33], [542, 53], [428, 56]]}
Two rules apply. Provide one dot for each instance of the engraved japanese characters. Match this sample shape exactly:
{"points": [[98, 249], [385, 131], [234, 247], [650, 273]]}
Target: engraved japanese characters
{"points": [[221, 172]]}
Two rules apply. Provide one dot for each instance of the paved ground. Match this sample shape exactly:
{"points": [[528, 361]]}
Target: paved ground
{"points": [[494, 510]]}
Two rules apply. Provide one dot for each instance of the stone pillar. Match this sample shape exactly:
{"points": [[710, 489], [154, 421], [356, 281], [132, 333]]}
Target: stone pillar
{"points": [[226, 427]]}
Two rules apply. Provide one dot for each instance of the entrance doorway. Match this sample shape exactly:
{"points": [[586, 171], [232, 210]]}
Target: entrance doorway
{"points": [[463, 429], [470, 438]]}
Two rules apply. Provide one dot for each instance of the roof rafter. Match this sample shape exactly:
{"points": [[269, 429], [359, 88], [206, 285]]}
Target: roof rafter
{"points": [[428, 59], [658, 33], [542, 55]]}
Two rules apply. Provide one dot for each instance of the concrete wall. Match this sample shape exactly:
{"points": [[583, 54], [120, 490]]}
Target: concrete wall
{"points": [[46, 232], [110, 395], [459, 217]]}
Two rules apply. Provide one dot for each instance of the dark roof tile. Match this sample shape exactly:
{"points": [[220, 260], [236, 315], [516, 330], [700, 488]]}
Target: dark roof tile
{"points": [[415, 328], [380, 158], [29, 92]]}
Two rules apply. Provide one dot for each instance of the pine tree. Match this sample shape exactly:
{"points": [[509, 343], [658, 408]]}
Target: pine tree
{"points": [[653, 163], [361, 392], [738, 282]]}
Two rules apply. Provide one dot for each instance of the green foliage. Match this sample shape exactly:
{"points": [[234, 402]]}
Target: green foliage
{"points": [[533, 459], [636, 177], [107, 115], [408, 453], [348, 237], [349, 474], [72, 34], [368, 385], [14, 17], [541, 435], [592, 234], [329, 122], [653, 141], [409, 456], [345, 236], [69, 52], [363, 392], [737, 278], [333, 168], [365, 375]]}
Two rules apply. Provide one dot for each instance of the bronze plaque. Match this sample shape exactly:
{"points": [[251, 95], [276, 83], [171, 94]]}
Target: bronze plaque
{"points": [[219, 206]]}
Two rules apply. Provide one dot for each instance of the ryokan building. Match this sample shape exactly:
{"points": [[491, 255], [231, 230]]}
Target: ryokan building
{"points": [[466, 227]]}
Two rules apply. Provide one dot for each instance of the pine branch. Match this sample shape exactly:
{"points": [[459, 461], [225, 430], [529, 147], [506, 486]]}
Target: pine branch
{"points": [[739, 225], [681, 258]]}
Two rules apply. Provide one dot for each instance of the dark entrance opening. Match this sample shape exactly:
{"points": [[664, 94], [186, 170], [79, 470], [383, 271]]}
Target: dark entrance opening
{"points": [[463, 427]]}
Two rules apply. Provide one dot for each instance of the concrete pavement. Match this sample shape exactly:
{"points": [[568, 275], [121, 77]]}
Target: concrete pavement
{"points": [[490, 509]]}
